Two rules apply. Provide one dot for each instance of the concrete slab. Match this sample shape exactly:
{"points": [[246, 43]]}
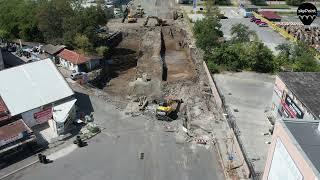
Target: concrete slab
{"points": [[250, 94]]}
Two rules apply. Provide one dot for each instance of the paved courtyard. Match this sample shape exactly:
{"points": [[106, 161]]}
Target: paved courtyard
{"points": [[248, 95]]}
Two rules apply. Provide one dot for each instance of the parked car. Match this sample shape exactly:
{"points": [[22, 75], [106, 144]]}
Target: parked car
{"points": [[253, 19], [77, 75], [263, 24], [258, 22]]}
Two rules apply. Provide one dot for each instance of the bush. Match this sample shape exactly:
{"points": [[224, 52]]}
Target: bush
{"points": [[213, 68], [241, 56]]}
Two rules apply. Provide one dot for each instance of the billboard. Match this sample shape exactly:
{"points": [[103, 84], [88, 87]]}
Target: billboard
{"points": [[43, 116], [291, 108]]}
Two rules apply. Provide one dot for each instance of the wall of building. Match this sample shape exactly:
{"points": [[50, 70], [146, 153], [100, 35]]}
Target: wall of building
{"points": [[299, 164], [279, 94], [37, 116], [68, 65], [93, 64], [28, 117]]}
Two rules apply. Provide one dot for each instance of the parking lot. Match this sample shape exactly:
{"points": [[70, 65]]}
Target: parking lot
{"points": [[267, 35], [247, 96]]}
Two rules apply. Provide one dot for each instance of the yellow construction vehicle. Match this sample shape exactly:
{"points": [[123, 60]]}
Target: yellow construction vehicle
{"points": [[131, 17], [168, 108], [160, 22]]}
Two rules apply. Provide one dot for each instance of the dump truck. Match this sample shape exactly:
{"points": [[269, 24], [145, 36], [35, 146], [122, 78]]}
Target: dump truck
{"points": [[168, 108]]}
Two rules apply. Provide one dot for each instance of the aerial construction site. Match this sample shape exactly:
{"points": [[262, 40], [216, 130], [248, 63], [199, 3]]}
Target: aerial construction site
{"points": [[156, 59]]}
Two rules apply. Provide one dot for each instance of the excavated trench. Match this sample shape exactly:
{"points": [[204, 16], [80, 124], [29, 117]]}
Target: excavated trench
{"points": [[177, 64], [158, 53]]}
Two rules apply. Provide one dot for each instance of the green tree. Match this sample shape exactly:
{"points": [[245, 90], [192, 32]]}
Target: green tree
{"points": [[103, 51], [241, 33], [261, 57], [83, 44], [4, 34], [284, 49], [51, 16], [207, 33], [306, 63], [297, 57]]}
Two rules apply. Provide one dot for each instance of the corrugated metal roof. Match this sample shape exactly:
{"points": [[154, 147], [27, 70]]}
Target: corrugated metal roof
{"points": [[52, 49], [32, 85]]}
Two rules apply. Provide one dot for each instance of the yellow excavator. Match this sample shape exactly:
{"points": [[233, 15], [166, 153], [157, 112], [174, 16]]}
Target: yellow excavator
{"points": [[168, 108], [160, 22], [131, 17]]}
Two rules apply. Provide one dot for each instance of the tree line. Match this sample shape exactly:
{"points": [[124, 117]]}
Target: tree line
{"points": [[244, 51], [51, 21]]}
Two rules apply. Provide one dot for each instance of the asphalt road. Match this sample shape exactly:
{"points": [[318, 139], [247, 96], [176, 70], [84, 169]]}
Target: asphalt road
{"points": [[114, 154], [267, 35]]}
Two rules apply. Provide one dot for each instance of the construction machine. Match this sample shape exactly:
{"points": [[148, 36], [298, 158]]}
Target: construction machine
{"points": [[168, 108], [160, 22], [140, 12], [131, 17]]}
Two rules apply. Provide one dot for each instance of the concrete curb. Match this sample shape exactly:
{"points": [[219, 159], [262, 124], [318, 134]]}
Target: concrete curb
{"points": [[19, 169]]}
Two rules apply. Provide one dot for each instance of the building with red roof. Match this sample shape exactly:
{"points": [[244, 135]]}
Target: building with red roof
{"points": [[270, 15], [77, 62]]}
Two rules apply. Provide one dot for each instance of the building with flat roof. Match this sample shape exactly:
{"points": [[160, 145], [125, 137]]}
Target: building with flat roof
{"points": [[51, 51], [36, 91], [294, 151], [296, 95]]}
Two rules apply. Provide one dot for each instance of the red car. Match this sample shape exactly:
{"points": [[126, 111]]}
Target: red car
{"points": [[253, 19], [258, 22]]}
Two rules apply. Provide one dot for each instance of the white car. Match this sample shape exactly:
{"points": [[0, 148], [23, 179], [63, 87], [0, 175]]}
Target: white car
{"points": [[77, 75]]}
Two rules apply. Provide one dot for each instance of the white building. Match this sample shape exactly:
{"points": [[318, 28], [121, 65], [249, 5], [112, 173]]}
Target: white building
{"points": [[74, 61], [39, 94]]}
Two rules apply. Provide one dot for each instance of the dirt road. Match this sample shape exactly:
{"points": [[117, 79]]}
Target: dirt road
{"points": [[160, 8]]}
